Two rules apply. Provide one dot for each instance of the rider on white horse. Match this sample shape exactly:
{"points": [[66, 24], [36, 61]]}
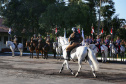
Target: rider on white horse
{"points": [[74, 39], [107, 41], [98, 40], [15, 41], [118, 41]]}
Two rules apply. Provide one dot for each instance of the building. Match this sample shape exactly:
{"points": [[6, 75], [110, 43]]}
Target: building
{"points": [[4, 36]]}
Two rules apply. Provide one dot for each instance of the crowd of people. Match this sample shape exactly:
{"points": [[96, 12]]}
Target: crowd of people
{"points": [[75, 39]]}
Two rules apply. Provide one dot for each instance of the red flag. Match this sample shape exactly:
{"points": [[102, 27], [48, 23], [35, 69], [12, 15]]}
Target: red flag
{"points": [[92, 30], [78, 30], [111, 31], [102, 31], [55, 30]]}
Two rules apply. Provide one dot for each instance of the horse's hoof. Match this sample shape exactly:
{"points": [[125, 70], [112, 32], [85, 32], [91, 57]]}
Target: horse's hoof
{"points": [[76, 74], [60, 71]]}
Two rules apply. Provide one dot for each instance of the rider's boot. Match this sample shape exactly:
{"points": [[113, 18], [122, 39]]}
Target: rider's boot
{"points": [[68, 55]]}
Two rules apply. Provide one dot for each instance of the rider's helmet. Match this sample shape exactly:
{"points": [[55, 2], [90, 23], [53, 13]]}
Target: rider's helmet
{"points": [[74, 29], [39, 35], [34, 35], [15, 36]]}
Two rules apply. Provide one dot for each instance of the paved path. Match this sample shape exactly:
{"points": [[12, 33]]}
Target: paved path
{"points": [[23, 70]]}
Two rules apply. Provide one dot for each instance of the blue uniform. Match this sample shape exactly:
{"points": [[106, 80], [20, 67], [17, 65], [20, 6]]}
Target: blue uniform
{"points": [[107, 41], [90, 41], [98, 41], [87, 40], [118, 42]]}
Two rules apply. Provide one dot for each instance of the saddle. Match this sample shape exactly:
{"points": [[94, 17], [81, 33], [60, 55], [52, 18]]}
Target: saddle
{"points": [[74, 49], [16, 45]]}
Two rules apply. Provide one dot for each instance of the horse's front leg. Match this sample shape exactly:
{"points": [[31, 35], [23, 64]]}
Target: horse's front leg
{"points": [[62, 66], [67, 65], [13, 53], [79, 68]]}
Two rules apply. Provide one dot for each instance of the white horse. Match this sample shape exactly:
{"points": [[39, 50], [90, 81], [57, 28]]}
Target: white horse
{"points": [[80, 54], [104, 51], [58, 49], [113, 50], [12, 47], [122, 52]]}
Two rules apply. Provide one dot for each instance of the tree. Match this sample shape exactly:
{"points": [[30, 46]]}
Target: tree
{"points": [[23, 15]]}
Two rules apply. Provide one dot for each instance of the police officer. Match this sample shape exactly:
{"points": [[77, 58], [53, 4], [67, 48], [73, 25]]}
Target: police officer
{"points": [[90, 40], [87, 40], [98, 40], [39, 38], [48, 39], [118, 41], [107, 41], [74, 39], [35, 37], [15, 41]]}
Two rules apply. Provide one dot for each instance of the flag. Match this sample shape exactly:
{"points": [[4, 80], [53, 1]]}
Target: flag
{"points": [[9, 32], [111, 31], [55, 30], [83, 37], [92, 30], [64, 33], [102, 31], [78, 30]]}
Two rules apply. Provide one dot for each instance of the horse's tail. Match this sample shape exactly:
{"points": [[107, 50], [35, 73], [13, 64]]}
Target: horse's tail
{"points": [[92, 57]]}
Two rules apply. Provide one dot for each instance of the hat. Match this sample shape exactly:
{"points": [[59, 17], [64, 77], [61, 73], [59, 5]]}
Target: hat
{"points": [[14, 35], [74, 29]]}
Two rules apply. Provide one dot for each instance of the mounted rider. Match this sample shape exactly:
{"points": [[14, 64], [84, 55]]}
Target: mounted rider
{"points": [[35, 40], [90, 40], [87, 40], [48, 39], [15, 41], [118, 41], [107, 41], [74, 39], [98, 41], [39, 38]]}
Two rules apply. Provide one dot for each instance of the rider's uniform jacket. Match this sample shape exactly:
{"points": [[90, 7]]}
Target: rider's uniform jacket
{"points": [[40, 39], [118, 42], [75, 37], [107, 41], [98, 41], [90, 41], [87, 40]]}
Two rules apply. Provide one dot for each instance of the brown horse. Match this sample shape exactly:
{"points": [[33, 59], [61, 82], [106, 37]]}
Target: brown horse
{"points": [[31, 48], [47, 48], [39, 48]]}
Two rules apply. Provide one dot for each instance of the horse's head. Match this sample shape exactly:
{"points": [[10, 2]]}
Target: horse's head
{"points": [[62, 40], [8, 43]]}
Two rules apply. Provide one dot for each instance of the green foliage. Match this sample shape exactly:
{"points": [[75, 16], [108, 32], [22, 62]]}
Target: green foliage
{"points": [[67, 17], [122, 33], [23, 15]]}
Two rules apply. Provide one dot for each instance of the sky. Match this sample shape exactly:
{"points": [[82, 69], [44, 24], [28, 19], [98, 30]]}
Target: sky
{"points": [[120, 8]]}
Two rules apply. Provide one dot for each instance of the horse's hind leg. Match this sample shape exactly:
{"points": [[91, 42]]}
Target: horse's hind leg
{"points": [[92, 67]]}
